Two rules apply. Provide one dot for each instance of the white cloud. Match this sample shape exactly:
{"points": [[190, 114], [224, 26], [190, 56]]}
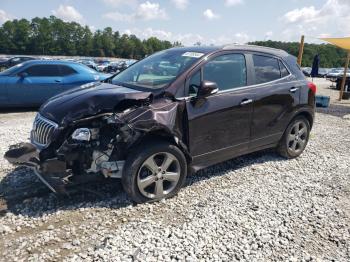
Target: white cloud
{"points": [[189, 39], [5, 16], [210, 15], [233, 2], [117, 3], [68, 13], [332, 18], [180, 4], [145, 11], [305, 14], [268, 35], [150, 11]]}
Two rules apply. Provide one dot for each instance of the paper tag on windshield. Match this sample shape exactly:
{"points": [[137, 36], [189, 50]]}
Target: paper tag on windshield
{"points": [[193, 54]]}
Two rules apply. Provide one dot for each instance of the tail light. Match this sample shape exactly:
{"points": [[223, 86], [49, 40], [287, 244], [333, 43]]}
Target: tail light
{"points": [[312, 87]]}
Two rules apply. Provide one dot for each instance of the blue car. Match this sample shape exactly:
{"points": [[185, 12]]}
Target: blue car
{"points": [[31, 83]]}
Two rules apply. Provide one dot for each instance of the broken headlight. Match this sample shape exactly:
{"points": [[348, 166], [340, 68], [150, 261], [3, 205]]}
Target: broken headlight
{"points": [[82, 134]]}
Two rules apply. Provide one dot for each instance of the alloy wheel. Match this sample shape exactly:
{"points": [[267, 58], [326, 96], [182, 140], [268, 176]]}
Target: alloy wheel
{"points": [[297, 137], [158, 175]]}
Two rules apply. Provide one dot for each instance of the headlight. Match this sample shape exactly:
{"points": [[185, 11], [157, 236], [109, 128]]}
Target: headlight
{"points": [[82, 134]]}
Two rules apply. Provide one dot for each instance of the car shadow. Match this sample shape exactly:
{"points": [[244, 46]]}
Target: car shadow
{"points": [[21, 192], [18, 110]]}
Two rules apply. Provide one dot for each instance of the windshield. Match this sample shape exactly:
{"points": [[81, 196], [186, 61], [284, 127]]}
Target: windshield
{"points": [[11, 70], [158, 70]]}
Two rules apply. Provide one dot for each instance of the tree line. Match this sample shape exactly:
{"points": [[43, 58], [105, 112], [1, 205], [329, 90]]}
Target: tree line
{"points": [[330, 55], [53, 36]]}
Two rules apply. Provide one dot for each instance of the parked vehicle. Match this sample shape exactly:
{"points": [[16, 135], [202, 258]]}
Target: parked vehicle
{"points": [[322, 72], [88, 62], [14, 61], [116, 67], [33, 82], [150, 124], [102, 65], [334, 74], [307, 71]]}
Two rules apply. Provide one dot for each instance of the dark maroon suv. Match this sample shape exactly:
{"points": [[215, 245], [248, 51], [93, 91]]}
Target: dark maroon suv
{"points": [[170, 114]]}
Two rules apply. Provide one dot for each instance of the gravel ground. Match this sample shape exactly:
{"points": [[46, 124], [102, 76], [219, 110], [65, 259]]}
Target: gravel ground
{"points": [[257, 207]]}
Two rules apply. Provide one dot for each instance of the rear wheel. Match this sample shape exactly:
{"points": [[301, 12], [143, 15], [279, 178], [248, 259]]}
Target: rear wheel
{"points": [[295, 138], [154, 171]]}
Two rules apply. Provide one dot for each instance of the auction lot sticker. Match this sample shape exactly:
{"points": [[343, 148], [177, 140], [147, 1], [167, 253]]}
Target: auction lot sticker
{"points": [[193, 54]]}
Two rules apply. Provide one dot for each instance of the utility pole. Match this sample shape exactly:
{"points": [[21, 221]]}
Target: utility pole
{"points": [[342, 87], [301, 50]]}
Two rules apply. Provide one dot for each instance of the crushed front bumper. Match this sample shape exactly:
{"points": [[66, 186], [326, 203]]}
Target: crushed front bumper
{"points": [[51, 172]]}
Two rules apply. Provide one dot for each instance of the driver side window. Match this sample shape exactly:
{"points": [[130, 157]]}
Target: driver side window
{"points": [[194, 83], [227, 71]]}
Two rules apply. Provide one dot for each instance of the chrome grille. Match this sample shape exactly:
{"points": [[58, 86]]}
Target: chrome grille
{"points": [[42, 131]]}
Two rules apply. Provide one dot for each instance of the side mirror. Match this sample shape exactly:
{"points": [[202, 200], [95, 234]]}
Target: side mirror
{"points": [[22, 74], [207, 88]]}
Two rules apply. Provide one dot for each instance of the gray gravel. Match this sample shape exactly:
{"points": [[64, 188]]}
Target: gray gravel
{"points": [[253, 208]]}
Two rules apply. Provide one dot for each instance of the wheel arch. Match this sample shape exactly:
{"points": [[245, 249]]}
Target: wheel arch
{"points": [[309, 116], [164, 136]]}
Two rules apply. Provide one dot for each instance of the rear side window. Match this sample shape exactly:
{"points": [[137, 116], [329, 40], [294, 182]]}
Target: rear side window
{"points": [[43, 70], [227, 71], [66, 70], [284, 70], [266, 69]]}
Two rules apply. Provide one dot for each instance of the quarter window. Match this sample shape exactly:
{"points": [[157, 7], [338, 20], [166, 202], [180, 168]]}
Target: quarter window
{"points": [[227, 71], [284, 70], [266, 69], [66, 70], [43, 70]]}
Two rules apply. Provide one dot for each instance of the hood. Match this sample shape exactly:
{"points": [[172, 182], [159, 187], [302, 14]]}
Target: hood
{"points": [[89, 100]]}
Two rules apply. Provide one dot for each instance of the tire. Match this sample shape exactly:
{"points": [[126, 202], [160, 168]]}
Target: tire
{"points": [[295, 138], [154, 171]]}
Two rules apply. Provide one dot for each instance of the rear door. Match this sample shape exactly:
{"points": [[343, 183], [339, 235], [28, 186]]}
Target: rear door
{"points": [[39, 84], [219, 126], [277, 95]]}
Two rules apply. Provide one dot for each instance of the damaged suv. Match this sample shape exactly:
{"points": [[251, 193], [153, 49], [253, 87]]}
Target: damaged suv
{"points": [[172, 113]]}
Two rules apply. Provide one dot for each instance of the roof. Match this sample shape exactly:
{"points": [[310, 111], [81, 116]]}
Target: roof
{"points": [[210, 49], [49, 62], [263, 49]]}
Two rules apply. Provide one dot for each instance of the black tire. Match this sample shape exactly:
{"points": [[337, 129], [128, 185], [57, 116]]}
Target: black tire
{"points": [[287, 143], [136, 170]]}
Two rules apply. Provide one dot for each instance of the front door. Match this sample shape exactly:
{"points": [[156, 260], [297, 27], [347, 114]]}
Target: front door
{"points": [[35, 84], [219, 125]]}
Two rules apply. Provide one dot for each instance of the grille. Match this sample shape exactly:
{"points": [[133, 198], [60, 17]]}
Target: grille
{"points": [[42, 131]]}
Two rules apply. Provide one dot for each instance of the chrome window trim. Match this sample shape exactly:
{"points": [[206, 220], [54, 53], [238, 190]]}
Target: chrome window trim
{"points": [[243, 87]]}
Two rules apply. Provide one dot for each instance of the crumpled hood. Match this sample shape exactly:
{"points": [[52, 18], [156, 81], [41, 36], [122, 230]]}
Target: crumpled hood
{"points": [[89, 100]]}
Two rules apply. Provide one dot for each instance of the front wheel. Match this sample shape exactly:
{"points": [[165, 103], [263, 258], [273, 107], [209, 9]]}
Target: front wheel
{"points": [[295, 138], [154, 171]]}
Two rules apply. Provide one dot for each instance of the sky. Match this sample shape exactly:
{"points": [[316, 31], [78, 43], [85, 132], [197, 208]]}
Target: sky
{"points": [[215, 22]]}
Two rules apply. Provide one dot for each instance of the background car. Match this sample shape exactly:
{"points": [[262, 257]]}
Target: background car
{"points": [[102, 65], [14, 61], [306, 71], [334, 73], [33, 82], [88, 62]]}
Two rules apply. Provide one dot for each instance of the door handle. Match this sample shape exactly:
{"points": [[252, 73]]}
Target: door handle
{"points": [[58, 81], [246, 102], [293, 89]]}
